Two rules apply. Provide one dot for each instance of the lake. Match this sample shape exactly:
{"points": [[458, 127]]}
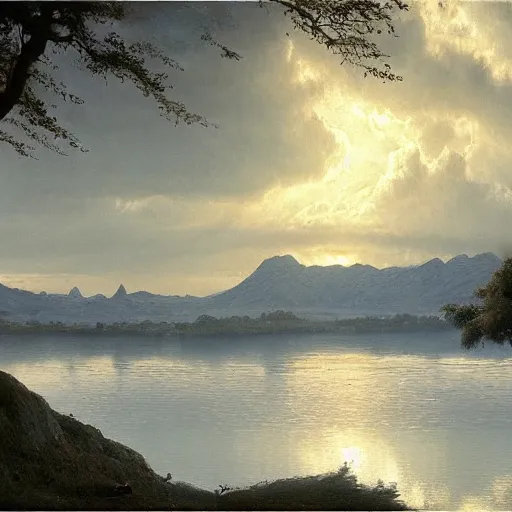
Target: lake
{"points": [[409, 408]]}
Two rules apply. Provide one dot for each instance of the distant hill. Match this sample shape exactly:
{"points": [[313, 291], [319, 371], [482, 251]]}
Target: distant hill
{"points": [[283, 283], [280, 282], [120, 294], [76, 293]]}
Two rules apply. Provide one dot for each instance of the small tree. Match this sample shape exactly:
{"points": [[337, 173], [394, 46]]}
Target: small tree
{"points": [[32, 32], [492, 318]]}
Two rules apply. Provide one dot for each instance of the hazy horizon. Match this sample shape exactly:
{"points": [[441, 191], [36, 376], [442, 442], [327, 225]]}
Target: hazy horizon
{"points": [[112, 292], [309, 159]]}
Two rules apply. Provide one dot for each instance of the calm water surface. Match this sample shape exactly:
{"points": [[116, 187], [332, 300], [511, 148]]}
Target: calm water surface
{"points": [[412, 409]]}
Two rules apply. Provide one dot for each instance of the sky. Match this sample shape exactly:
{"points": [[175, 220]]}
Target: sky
{"points": [[309, 157]]}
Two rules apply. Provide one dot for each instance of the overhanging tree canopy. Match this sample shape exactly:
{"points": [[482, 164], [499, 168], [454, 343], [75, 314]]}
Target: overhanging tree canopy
{"points": [[31, 32]]}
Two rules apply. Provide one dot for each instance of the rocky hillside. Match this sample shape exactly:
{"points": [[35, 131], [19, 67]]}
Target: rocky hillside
{"points": [[49, 461], [52, 461]]}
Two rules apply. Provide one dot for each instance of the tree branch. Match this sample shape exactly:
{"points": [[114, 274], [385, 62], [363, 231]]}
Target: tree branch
{"points": [[30, 53]]}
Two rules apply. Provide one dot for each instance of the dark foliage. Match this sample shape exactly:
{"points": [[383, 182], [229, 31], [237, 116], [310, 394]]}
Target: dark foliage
{"points": [[492, 318], [32, 32]]}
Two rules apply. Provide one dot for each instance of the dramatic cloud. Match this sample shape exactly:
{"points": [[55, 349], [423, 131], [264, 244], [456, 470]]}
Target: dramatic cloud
{"points": [[309, 158], [267, 132]]}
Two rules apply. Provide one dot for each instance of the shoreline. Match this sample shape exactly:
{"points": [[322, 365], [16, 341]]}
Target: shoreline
{"points": [[235, 327], [52, 461]]}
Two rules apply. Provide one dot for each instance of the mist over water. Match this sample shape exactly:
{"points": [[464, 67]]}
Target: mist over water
{"points": [[409, 408]]}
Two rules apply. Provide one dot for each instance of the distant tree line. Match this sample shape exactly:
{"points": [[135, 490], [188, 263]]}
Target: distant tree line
{"points": [[267, 323]]}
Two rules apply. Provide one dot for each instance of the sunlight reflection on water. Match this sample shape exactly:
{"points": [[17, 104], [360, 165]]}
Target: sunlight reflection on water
{"points": [[416, 411]]}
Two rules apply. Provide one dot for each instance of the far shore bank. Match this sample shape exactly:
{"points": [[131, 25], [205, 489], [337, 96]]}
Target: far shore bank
{"points": [[279, 322]]}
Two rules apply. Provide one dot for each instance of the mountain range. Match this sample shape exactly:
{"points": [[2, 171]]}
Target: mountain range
{"points": [[280, 282]]}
